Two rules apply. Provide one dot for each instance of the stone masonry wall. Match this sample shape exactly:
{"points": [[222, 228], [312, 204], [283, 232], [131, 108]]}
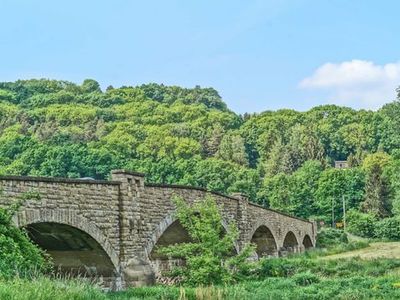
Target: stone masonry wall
{"points": [[127, 217], [92, 206]]}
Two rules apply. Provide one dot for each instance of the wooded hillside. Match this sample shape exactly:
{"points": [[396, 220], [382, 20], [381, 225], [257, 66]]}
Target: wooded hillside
{"points": [[282, 159]]}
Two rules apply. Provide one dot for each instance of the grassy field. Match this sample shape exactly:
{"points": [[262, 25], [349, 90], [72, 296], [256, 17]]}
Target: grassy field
{"points": [[369, 273], [374, 250]]}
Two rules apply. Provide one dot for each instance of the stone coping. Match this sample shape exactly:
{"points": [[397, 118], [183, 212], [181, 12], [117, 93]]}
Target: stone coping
{"points": [[127, 172], [58, 180]]}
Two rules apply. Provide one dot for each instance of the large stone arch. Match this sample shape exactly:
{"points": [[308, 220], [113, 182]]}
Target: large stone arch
{"points": [[33, 217]]}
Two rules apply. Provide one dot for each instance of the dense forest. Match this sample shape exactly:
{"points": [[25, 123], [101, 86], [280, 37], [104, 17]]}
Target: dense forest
{"points": [[281, 159]]}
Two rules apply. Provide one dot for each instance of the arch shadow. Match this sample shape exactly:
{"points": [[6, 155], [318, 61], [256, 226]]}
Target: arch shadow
{"points": [[75, 244], [307, 243], [290, 243], [265, 242], [163, 227]]}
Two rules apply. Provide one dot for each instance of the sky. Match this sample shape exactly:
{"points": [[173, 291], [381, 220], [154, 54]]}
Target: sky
{"points": [[259, 55]]}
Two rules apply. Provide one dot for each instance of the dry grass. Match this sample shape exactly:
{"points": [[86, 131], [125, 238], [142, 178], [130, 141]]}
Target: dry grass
{"points": [[375, 250]]}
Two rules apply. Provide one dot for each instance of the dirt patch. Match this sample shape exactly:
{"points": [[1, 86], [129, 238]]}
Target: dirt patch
{"points": [[375, 250]]}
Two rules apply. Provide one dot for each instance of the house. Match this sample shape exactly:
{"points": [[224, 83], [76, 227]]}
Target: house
{"points": [[341, 164]]}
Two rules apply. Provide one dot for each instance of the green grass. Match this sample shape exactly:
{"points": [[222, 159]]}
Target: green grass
{"points": [[358, 287], [295, 287], [43, 288], [298, 277], [374, 250]]}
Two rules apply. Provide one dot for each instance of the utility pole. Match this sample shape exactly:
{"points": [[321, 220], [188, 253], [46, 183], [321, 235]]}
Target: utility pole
{"points": [[344, 213], [333, 213]]}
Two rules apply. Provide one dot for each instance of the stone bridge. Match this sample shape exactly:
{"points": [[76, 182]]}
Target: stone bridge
{"points": [[110, 229]]}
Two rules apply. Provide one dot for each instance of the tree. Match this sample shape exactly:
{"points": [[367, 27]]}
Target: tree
{"points": [[90, 86], [392, 172], [276, 192], [232, 149], [209, 257], [333, 185], [361, 224], [376, 199]]}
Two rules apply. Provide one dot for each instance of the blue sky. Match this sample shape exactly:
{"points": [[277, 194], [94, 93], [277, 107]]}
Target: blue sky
{"points": [[260, 55]]}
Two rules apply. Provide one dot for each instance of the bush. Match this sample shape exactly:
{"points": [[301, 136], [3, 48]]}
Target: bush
{"points": [[329, 237], [18, 256], [388, 228], [284, 267], [305, 278], [208, 256], [361, 224]]}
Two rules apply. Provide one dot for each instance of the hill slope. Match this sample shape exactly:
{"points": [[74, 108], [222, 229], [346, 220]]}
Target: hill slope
{"points": [[279, 158]]}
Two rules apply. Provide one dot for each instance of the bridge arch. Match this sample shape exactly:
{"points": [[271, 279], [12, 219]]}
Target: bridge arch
{"points": [[290, 242], [72, 240], [307, 242], [164, 227], [265, 241], [168, 232]]}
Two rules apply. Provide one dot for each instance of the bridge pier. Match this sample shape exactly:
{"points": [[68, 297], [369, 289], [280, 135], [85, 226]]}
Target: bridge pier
{"points": [[136, 269]]}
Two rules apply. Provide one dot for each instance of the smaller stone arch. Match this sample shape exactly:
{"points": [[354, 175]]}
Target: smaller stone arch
{"points": [[163, 226], [290, 243], [169, 232], [307, 242], [265, 242], [173, 234]]}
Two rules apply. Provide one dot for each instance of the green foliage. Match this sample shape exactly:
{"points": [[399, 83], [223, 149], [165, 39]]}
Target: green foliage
{"points": [[289, 267], [42, 288], [356, 287], [308, 279], [305, 278], [361, 224], [377, 191], [328, 237], [311, 190], [90, 86], [280, 159], [388, 228], [18, 256], [336, 184], [209, 257]]}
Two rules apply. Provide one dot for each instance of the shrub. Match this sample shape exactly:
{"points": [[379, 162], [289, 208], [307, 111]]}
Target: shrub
{"points": [[305, 278], [284, 267], [329, 237], [361, 224], [209, 256], [18, 256], [388, 228]]}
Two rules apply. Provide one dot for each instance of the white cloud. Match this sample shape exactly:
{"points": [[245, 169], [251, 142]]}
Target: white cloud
{"points": [[356, 83]]}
